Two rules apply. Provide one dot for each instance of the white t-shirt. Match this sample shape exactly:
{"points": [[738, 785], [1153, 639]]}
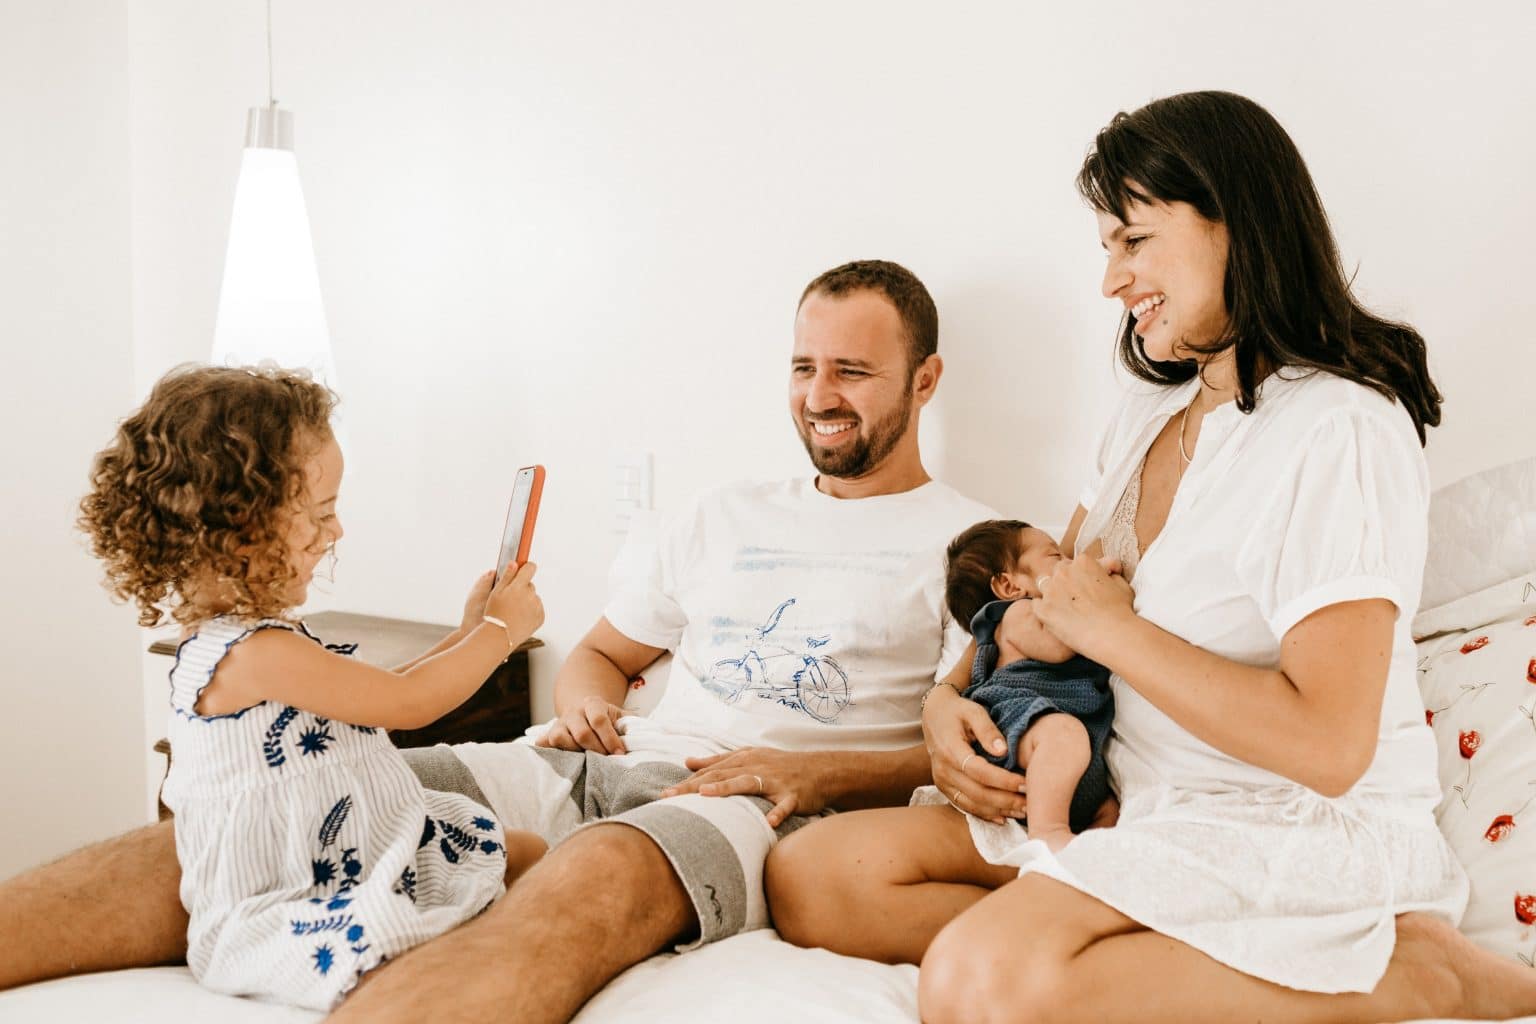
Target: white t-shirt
{"points": [[1319, 496], [799, 620]]}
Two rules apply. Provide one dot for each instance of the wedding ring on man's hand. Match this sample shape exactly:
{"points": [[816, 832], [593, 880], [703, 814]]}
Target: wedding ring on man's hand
{"points": [[759, 779], [966, 761], [956, 800]]}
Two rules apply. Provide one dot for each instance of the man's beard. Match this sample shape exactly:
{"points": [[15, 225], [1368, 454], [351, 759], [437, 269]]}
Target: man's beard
{"points": [[861, 455]]}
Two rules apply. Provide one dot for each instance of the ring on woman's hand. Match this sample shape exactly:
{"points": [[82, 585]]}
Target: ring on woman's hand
{"points": [[956, 799], [966, 761], [1041, 582], [759, 779]]}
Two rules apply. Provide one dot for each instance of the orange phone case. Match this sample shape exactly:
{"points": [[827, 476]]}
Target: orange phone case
{"points": [[530, 517]]}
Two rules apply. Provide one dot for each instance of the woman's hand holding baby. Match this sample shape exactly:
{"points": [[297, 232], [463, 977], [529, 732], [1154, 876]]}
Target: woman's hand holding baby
{"points": [[950, 725], [1083, 602]]}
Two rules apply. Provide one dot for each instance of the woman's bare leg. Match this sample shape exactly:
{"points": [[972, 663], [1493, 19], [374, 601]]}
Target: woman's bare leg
{"points": [[116, 904], [877, 884], [1038, 950]]}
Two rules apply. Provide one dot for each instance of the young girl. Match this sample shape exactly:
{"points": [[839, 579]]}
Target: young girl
{"points": [[309, 851]]}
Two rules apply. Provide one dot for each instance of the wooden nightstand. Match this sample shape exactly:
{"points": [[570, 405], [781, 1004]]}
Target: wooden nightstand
{"points": [[500, 710]]}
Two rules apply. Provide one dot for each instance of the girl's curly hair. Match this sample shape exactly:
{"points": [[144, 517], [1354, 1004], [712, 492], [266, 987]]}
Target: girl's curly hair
{"points": [[198, 487]]}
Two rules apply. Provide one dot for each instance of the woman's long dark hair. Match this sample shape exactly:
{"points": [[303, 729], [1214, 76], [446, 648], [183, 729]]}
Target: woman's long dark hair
{"points": [[1286, 292]]}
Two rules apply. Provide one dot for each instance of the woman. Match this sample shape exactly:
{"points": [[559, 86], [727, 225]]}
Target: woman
{"points": [[1266, 493]]}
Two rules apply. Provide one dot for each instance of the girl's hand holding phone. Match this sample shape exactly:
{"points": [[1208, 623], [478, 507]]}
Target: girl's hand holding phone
{"points": [[474, 604], [515, 602]]}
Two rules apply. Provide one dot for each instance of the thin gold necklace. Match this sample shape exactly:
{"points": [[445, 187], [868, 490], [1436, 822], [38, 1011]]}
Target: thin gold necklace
{"points": [[1184, 422]]}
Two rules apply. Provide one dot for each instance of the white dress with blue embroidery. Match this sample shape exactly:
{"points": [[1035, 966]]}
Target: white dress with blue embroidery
{"points": [[309, 851]]}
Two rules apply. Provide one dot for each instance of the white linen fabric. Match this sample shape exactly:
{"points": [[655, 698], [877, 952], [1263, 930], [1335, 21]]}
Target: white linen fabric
{"points": [[799, 620], [1318, 496], [309, 852]]}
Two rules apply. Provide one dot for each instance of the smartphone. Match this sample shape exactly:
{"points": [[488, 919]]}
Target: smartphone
{"points": [[517, 535]]}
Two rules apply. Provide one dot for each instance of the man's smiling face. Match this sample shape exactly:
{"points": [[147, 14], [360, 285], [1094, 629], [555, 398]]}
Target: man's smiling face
{"points": [[850, 381]]}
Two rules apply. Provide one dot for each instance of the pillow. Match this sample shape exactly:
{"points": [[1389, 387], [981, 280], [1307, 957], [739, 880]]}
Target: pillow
{"points": [[1479, 689], [1481, 562]]}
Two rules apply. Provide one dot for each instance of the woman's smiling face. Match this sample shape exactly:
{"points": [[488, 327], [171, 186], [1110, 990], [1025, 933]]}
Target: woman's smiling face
{"points": [[1167, 265]]}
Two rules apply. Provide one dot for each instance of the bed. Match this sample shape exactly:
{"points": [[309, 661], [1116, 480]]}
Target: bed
{"points": [[1477, 649]]}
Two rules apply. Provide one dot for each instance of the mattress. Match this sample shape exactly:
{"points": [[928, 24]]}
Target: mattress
{"points": [[750, 979]]}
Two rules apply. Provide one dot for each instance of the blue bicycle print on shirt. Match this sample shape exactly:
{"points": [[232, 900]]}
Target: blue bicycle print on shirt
{"points": [[817, 684]]}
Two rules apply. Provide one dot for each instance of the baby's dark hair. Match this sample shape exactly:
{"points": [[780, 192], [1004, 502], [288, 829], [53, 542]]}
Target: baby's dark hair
{"points": [[973, 558], [197, 487]]}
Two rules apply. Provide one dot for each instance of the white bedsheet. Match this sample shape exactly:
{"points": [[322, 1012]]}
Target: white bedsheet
{"points": [[750, 979]]}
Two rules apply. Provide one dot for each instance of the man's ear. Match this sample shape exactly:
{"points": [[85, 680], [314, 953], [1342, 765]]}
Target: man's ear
{"points": [[925, 379], [1004, 588]]}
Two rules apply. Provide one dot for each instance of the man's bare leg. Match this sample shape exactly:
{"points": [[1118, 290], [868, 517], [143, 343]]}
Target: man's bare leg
{"points": [[108, 906], [604, 900]]}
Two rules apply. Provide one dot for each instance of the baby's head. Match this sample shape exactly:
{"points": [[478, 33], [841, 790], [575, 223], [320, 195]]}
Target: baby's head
{"points": [[218, 495], [1003, 559]]}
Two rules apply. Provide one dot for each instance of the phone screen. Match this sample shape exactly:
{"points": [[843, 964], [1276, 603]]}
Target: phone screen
{"points": [[521, 514]]}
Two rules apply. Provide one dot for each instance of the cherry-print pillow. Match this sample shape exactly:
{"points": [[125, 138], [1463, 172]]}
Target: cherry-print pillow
{"points": [[1479, 690]]}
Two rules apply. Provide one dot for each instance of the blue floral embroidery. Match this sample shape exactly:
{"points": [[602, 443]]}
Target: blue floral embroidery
{"points": [[325, 871], [272, 743], [484, 824], [330, 828], [324, 958], [460, 838], [407, 884], [325, 924], [314, 739]]}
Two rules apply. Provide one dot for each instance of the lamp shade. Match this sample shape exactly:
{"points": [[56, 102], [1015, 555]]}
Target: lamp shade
{"points": [[269, 303]]}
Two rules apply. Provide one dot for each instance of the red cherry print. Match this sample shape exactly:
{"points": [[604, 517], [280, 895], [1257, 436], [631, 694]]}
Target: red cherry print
{"points": [[1502, 826], [1429, 717], [1475, 644], [1470, 741], [1525, 908], [637, 682]]}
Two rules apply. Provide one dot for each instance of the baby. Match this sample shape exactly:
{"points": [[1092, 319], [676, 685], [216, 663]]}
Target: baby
{"points": [[1051, 704]]}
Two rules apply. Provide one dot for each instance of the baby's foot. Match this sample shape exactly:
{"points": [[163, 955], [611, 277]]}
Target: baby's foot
{"points": [[1055, 836]]}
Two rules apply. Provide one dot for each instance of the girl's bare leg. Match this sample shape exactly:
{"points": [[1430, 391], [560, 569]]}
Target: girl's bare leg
{"points": [[877, 884], [1038, 950], [524, 850]]}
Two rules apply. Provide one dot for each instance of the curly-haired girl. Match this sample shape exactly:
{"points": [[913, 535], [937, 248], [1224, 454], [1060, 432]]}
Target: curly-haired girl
{"points": [[309, 851]]}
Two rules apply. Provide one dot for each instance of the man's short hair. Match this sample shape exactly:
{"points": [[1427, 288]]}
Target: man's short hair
{"points": [[919, 316], [973, 558]]}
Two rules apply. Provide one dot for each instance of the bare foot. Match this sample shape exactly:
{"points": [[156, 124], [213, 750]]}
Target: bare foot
{"points": [[1471, 981]]}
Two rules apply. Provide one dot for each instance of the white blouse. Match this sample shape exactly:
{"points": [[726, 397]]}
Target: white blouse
{"points": [[1319, 496]]}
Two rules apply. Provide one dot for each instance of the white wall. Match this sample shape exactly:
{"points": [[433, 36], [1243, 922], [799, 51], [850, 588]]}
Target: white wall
{"points": [[70, 734], [556, 231]]}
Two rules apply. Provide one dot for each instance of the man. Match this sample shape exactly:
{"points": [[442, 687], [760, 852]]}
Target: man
{"points": [[808, 620]]}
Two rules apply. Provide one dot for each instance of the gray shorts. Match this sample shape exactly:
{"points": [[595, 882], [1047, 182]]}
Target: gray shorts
{"points": [[717, 845]]}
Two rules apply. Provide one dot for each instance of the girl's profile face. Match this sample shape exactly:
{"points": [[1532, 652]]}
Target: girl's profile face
{"points": [[1167, 265], [314, 525]]}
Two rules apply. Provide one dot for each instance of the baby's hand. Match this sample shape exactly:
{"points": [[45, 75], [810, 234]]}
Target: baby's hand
{"points": [[474, 604], [515, 602]]}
